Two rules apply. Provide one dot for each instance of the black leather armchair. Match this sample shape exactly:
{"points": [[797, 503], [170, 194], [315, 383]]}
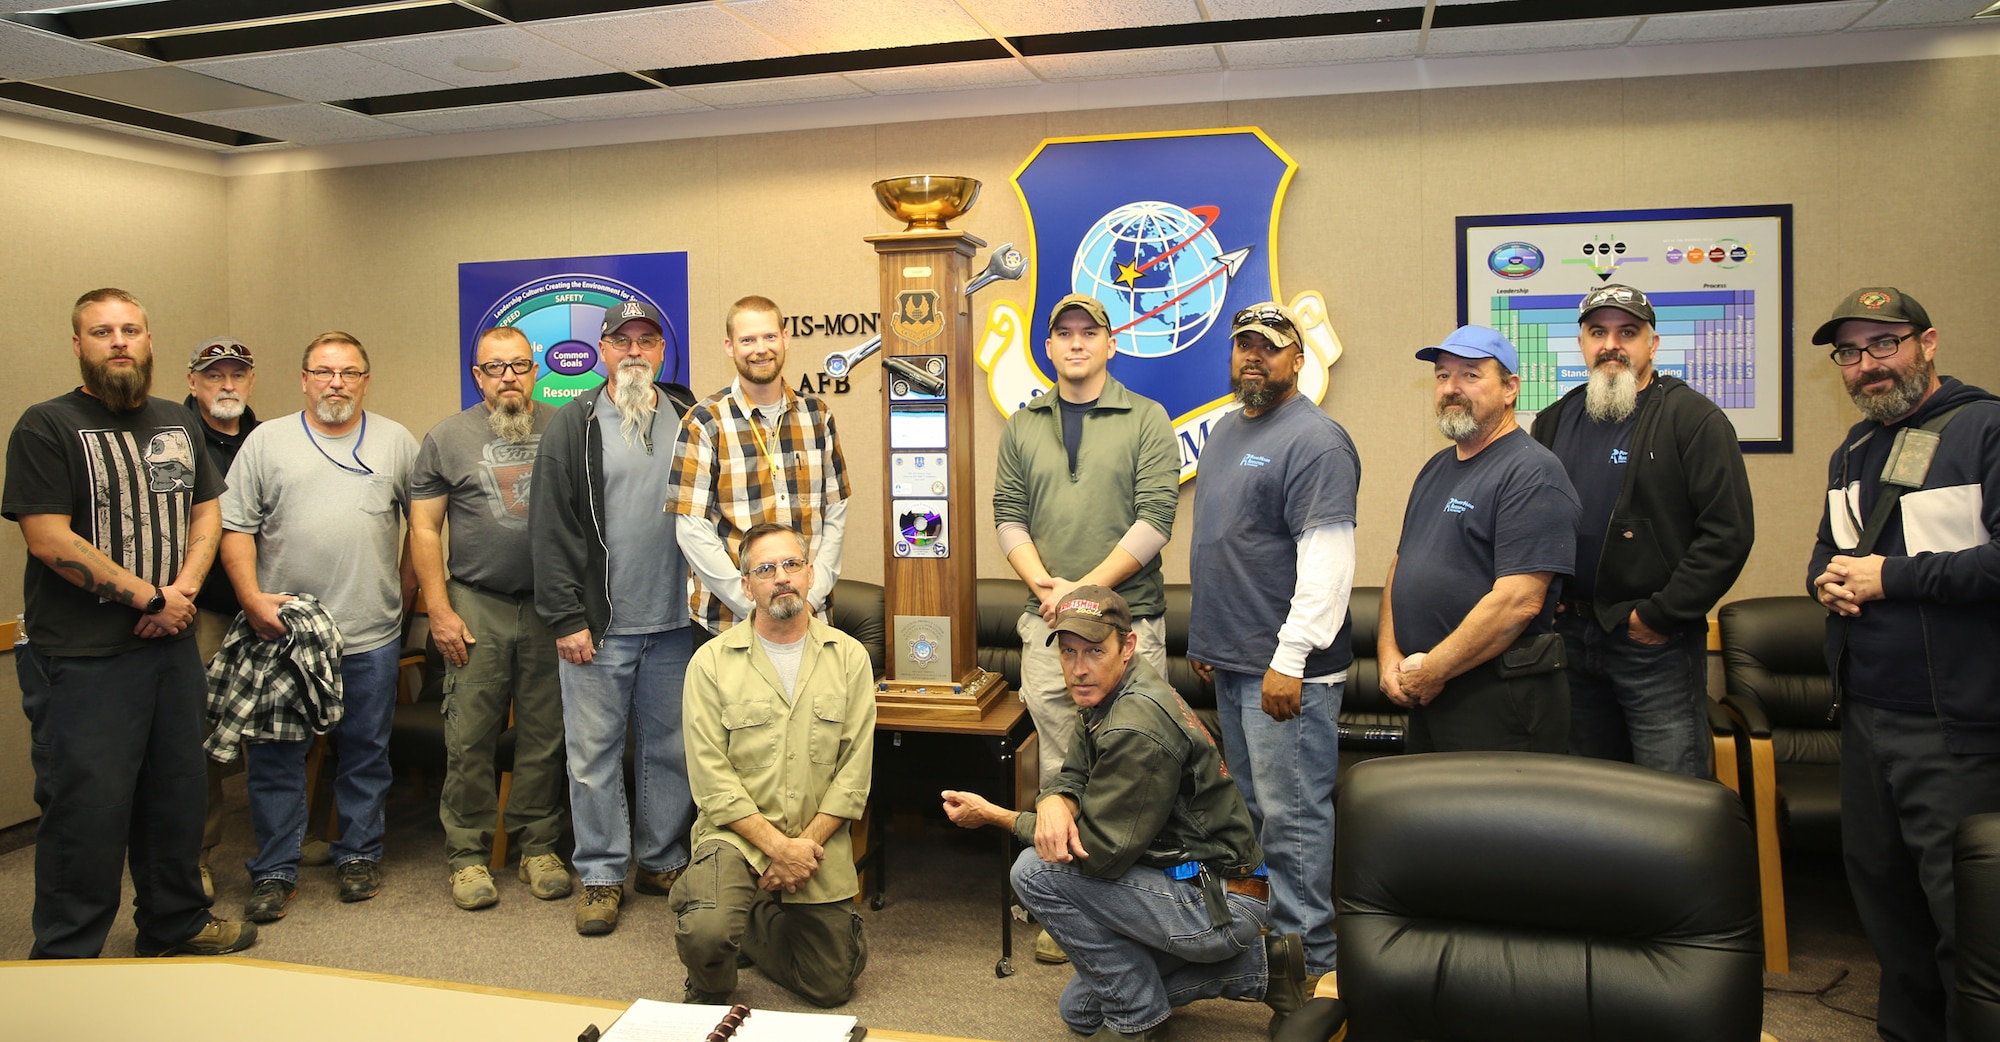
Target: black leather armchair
{"points": [[1976, 882], [1506, 896], [1777, 691]]}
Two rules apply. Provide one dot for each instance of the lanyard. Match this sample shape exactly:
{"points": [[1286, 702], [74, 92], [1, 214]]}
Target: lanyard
{"points": [[778, 482], [359, 467]]}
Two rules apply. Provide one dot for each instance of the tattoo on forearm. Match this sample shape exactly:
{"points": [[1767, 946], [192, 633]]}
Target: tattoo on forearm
{"points": [[84, 577]]}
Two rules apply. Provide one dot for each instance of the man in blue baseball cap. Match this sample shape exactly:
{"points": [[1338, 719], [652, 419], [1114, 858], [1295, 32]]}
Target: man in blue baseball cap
{"points": [[1466, 638]]}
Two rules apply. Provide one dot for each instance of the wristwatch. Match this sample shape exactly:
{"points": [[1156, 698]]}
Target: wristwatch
{"points": [[158, 603]]}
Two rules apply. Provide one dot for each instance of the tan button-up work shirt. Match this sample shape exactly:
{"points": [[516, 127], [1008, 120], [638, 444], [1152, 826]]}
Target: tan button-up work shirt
{"points": [[750, 751]]}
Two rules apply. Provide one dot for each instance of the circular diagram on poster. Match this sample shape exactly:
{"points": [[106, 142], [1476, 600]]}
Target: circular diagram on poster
{"points": [[563, 323]]}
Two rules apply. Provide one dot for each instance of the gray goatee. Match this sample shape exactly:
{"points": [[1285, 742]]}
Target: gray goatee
{"points": [[1457, 424], [511, 421], [1611, 395], [633, 395]]}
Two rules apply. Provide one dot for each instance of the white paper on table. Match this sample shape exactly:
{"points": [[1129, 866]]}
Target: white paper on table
{"points": [[650, 1020]]}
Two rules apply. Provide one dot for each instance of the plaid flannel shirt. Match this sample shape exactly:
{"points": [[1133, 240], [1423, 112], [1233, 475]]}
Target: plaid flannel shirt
{"points": [[721, 477], [283, 690]]}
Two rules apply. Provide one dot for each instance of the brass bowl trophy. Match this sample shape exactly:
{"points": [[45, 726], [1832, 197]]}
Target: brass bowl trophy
{"points": [[931, 565]]}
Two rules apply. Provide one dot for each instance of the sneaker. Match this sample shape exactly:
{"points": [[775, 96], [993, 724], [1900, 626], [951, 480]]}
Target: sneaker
{"points": [[597, 911], [1047, 950], [546, 877], [360, 879], [655, 884], [316, 852], [207, 884], [695, 996], [269, 899], [471, 887], [1285, 976], [219, 937]]}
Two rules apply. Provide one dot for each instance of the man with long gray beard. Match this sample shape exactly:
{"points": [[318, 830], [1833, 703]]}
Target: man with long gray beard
{"points": [[116, 502], [315, 506], [1665, 528], [1466, 638], [478, 467], [612, 586], [1908, 562]]}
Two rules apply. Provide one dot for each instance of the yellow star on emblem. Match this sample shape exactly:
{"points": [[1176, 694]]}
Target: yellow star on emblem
{"points": [[1128, 274]]}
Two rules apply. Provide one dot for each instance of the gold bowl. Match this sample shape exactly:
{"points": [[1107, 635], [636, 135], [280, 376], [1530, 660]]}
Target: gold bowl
{"points": [[926, 200]]}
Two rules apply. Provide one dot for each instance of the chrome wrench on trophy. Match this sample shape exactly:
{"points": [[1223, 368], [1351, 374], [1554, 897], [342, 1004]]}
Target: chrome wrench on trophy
{"points": [[1006, 263]]}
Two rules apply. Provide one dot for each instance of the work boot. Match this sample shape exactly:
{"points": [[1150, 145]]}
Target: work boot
{"points": [[472, 887], [697, 997], [1047, 950], [360, 879], [546, 877], [597, 910], [219, 937], [1284, 977], [269, 899], [655, 884]]}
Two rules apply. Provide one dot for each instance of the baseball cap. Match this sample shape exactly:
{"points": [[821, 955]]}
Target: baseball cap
{"points": [[1624, 298], [1093, 613], [1874, 304], [1085, 301], [618, 314], [1270, 318], [218, 349], [1476, 342]]}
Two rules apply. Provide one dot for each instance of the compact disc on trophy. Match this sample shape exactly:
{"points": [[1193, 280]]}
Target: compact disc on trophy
{"points": [[921, 528]]}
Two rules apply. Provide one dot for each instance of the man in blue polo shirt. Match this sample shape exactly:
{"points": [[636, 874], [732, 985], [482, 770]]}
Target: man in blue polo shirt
{"points": [[1466, 638]]}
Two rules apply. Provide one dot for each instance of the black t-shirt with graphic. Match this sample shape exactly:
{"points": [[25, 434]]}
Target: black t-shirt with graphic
{"points": [[1595, 455], [129, 483]]}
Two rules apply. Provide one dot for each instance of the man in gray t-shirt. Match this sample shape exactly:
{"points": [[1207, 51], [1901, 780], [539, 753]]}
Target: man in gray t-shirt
{"points": [[476, 468], [612, 585], [315, 506]]}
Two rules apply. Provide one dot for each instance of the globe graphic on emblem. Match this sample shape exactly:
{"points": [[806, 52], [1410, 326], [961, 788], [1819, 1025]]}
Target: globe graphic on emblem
{"points": [[1159, 273]]}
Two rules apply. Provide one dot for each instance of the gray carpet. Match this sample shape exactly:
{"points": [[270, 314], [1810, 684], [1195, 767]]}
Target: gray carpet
{"points": [[931, 948]]}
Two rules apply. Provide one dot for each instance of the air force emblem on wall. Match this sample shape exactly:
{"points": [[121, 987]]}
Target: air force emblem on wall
{"points": [[1172, 233]]}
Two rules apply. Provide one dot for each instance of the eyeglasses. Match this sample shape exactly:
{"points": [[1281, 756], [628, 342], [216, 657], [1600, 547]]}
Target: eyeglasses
{"points": [[624, 343], [327, 375], [496, 370], [1261, 314], [1844, 355], [791, 565]]}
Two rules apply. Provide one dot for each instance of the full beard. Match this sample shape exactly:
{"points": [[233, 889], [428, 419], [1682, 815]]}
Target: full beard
{"points": [[1260, 398], [1457, 424], [632, 393], [511, 421], [786, 605], [1901, 397], [226, 409], [1611, 395], [334, 413], [121, 390]]}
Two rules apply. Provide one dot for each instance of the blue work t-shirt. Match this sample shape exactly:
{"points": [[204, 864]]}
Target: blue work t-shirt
{"points": [[1595, 454], [1507, 511], [1264, 481]]}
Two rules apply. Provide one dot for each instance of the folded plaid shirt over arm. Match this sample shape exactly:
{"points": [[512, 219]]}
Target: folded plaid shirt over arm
{"points": [[283, 690]]}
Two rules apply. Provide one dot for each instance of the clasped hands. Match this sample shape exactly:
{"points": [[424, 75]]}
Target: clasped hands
{"points": [[1848, 583]]}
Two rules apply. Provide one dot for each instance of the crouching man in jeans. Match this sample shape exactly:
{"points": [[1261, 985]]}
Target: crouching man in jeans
{"points": [[1145, 865]]}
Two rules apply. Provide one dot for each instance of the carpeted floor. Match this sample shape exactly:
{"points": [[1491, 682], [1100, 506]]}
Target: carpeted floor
{"points": [[932, 947]]}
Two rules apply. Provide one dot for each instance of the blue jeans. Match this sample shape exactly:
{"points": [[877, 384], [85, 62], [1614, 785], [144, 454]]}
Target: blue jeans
{"points": [[360, 742], [1141, 943], [1286, 773], [635, 677], [116, 746], [1639, 703]]}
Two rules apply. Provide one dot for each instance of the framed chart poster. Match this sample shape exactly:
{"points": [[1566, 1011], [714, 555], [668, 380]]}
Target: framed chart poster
{"points": [[1720, 279]]}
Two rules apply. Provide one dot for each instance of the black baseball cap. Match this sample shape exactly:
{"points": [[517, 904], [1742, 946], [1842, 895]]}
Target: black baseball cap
{"points": [[218, 349], [1874, 304], [618, 314], [1624, 298]]}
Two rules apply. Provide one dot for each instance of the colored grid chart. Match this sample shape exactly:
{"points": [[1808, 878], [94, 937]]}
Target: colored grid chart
{"points": [[1707, 337]]}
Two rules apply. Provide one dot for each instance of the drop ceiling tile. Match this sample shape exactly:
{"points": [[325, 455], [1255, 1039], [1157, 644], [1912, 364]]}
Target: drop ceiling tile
{"points": [[1038, 17], [1112, 65], [53, 115], [691, 35], [304, 124], [1897, 14], [618, 106], [482, 117], [772, 92], [1802, 20], [1004, 72], [167, 89], [321, 74], [1227, 9], [1539, 36], [31, 54], [817, 27], [1320, 50], [432, 56]]}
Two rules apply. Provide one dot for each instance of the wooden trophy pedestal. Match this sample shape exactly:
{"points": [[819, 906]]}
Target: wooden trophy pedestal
{"points": [[966, 700]]}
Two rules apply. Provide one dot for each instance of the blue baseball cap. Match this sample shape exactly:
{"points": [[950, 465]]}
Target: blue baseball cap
{"points": [[1476, 342]]}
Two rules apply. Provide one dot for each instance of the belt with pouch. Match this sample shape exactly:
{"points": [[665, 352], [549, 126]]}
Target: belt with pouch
{"points": [[1214, 886]]}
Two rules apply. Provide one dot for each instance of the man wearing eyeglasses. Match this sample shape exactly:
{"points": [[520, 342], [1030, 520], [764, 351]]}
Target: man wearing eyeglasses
{"points": [[315, 506], [753, 452], [477, 468], [1908, 563], [1665, 529], [780, 714], [612, 586], [1272, 568]]}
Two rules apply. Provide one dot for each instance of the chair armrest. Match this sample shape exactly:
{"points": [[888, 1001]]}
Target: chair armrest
{"points": [[1749, 713]]}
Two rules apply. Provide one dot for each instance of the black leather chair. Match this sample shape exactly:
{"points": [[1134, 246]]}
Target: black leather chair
{"points": [[1976, 882], [1777, 690], [1523, 896]]}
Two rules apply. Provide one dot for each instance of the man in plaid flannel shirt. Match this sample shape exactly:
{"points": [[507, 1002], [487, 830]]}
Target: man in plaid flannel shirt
{"points": [[753, 452]]}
